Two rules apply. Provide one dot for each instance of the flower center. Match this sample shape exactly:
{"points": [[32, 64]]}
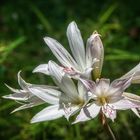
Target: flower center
{"points": [[102, 100], [79, 102]]}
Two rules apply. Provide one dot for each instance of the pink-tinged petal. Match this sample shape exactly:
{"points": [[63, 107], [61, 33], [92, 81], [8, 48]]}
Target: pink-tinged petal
{"points": [[136, 77], [118, 86], [124, 104], [87, 113], [86, 74], [47, 114], [113, 99], [60, 52], [95, 49], [121, 83], [109, 111], [76, 44], [43, 68], [90, 85], [102, 86], [131, 97]]}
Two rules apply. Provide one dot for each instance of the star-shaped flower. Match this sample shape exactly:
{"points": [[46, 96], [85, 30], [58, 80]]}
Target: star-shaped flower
{"points": [[23, 95], [83, 60], [106, 98], [66, 99], [71, 98]]}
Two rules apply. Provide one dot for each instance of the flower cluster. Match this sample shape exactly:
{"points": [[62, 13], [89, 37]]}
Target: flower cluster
{"points": [[80, 91]]}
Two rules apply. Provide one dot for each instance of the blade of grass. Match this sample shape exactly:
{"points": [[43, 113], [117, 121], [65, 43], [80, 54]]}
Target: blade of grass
{"points": [[8, 49], [42, 18]]}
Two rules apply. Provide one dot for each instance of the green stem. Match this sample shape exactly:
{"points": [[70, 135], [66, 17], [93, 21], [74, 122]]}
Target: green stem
{"points": [[78, 135]]}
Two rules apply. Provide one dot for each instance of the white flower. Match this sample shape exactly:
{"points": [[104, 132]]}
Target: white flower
{"points": [[23, 96], [70, 98], [106, 98], [81, 64], [66, 99]]}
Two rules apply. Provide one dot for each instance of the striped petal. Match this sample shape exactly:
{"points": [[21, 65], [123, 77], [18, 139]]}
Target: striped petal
{"points": [[60, 53], [125, 104], [82, 91], [118, 86], [76, 44], [55, 71], [35, 102], [69, 88], [43, 68], [48, 95], [22, 83], [87, 113], [136, 77], [47, 114]]}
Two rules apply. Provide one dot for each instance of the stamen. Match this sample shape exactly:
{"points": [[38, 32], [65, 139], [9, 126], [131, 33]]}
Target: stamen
{"points": [[69, 70], [67, 108]]}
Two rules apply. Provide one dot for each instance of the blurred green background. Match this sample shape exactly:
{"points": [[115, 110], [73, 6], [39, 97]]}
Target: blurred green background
{"points": [[24, 23]]}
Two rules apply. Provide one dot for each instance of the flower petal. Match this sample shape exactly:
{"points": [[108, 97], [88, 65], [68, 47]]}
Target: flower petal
{"points": [[22, 83], [60, 52], [69, 88], [55, 71], [70, 111], [95, 49], [118, 86], [124, 104], [63, 82], [90, 85], [14, 90], [132, 97], [109, 111], [48, 95], [82, 91], [87, 113], [17, 96], [47, 114], [35, 102], [136, 77], [76, 44], [136, 111], [102, 86], [43, 68]]}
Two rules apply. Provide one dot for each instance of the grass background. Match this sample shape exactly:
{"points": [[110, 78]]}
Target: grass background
{"points": [[24, 23]]}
